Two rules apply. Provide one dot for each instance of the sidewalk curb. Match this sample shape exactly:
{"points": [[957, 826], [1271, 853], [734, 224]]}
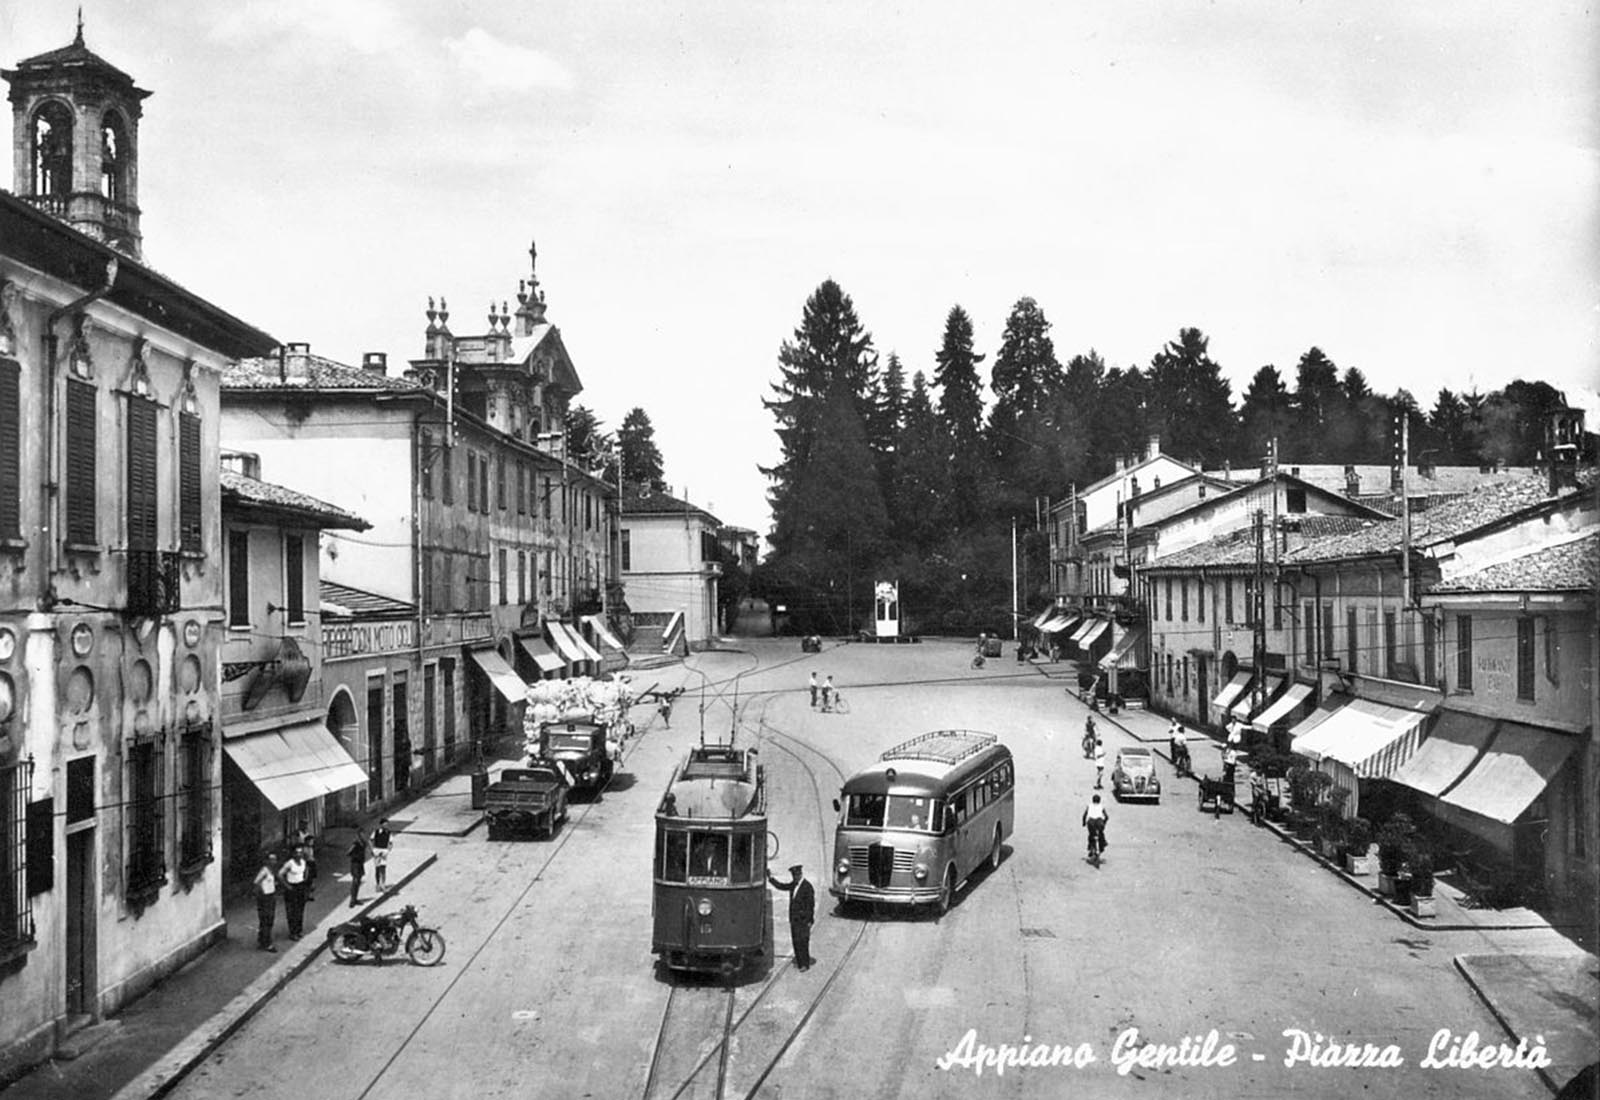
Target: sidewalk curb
{"points": [[1505, 1024], [172, 1068]]}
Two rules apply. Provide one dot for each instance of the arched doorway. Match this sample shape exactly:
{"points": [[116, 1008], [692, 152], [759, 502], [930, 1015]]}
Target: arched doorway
{"points": [[340, 807]]}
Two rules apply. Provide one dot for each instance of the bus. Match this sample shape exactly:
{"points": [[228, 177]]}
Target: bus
{"points": [[915, 825]]}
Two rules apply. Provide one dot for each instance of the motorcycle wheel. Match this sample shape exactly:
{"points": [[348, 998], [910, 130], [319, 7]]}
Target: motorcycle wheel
{"points": [[346, 946], [425, 947]]}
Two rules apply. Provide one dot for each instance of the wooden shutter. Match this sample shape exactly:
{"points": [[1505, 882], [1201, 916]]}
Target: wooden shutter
{"points": [[10, 450], [141, 474], [191, 534], [80, 463]]}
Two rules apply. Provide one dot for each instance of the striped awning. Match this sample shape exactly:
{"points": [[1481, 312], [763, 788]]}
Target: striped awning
{"points": [[603, 632], [1285, 706], [1231, 690], [1125, 653], [1245, 703], [1087, 638], [1043, 617], [1059, 623], [590, 653], [1371, 739], [563, 642]]}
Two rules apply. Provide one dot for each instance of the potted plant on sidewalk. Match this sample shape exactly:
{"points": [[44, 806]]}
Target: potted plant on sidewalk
{"points": [[1422, 902], [1394, 840], [1358, 857]]}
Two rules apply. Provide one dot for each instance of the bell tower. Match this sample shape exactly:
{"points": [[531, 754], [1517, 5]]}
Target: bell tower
{"points": [[75, 141]]}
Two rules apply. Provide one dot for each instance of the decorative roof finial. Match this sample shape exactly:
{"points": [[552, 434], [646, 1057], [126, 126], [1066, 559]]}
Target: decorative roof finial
{"points": [[79, 40]]}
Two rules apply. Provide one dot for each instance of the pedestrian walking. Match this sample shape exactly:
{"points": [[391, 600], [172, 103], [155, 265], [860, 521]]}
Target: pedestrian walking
{"points": [[1099, 763], [358, 866], [813, 691], [802, 913], [307, 841], [1230, 761], [380, 853], [664, 709], [1090, 737], [266, 887], [827, 694], [295, 878]]}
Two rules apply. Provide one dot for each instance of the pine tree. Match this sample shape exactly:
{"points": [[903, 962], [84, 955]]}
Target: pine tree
{"points": [[1191, 401], [1026, 377], [641, 458], [1316, 400], [961, 411], [1264, 415], [922, 492]]}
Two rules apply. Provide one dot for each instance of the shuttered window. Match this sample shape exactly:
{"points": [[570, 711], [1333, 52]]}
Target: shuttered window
{"points": [[294, 577], [238, 578], [10, 450], [80, 463], [190, 532], [472, 481], [141, 474]]}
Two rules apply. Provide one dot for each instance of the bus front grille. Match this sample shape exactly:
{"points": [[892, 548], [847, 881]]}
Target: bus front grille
{"points": [[877, 864]]}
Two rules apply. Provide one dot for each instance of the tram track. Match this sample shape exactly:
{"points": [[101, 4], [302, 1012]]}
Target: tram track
{"points": [[753, 1040]]}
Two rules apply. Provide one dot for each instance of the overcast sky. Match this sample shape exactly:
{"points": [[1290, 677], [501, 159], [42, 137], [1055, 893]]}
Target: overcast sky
{"points": [[1412, 188]]}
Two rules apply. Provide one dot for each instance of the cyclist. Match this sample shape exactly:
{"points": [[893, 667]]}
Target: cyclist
{"points": [[1094, 820], [827, 695], [1179, 739]]}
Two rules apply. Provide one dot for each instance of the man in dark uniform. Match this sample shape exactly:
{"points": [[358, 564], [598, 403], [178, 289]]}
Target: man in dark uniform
{"points": [[802, 914]]}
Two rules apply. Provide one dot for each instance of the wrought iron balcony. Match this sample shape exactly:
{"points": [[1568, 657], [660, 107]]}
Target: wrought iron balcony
{"points": [[153, 583]]}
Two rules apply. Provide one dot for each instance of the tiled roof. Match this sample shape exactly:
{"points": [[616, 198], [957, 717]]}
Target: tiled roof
{"points": [[73, 53], [1570, 566], [1437, 524], [654, 503], [308, 372], [341, 600], [236, 487], [1232, 548]]}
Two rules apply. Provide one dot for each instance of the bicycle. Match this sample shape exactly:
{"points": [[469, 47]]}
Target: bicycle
{"points": [[1097, 843], [837, 706], [977, 660]]}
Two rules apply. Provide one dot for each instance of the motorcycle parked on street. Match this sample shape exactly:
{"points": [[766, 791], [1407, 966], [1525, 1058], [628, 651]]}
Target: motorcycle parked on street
{"points": [[378, 937]]}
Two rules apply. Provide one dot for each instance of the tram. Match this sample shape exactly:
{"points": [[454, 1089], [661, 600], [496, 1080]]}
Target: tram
{"points": [[710, 902]]}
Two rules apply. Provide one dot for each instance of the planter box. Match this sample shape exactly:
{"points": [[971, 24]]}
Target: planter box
{"points": [[1329, 848], [1361, 865], [1423, 907], [1385, 885]]}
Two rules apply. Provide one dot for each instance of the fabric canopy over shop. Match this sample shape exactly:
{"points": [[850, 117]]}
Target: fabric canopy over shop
{"points": [[1231, 690], [542, 654], [1083, 630], [295, 763], [563, 642], [1519, 765], [586, 652], [1246, 703], [1454, 746], [603, 632], [1058, 624], [1096, 629], [1285, 706], [1042, 618], [1371, 739], [1125, 653], [501, 675]]}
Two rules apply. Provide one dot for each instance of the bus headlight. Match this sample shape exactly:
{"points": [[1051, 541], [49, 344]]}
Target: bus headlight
{"points": [[843, 870], [704, 908], [921, 873]]}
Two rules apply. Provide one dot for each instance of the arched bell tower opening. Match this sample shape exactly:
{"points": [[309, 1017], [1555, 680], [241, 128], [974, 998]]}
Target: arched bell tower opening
{"points": [[75, 142]]}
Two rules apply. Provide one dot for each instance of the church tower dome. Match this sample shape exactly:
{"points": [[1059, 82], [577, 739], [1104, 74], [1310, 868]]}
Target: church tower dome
{"points": [[75, 141]]}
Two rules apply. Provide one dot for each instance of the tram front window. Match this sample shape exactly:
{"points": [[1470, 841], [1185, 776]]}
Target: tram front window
{"points": [[708, 855], [675, 856], [743, 863]]}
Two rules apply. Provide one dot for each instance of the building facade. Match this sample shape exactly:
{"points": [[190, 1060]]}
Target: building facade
{"points": [[670, 564], [110, 620]]}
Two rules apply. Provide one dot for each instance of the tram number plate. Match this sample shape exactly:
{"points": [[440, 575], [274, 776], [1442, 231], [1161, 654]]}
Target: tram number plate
{"points": [[702, 880]]}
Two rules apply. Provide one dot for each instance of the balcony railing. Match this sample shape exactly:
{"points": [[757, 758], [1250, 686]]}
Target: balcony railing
{"points": [[153, 583]]}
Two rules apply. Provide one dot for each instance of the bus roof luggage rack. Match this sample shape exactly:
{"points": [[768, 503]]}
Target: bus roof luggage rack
{"points": [[941, 746]]}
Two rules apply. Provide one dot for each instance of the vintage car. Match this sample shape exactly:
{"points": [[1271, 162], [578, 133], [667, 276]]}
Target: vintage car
{"points": [[1134, 775], [583, 748], [529, 801]]}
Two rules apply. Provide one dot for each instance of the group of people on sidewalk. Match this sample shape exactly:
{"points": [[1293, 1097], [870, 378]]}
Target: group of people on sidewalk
{"points": [[295, 878]]}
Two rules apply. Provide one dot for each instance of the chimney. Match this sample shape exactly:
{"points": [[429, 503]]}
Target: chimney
{"points": [[297, 360], [375, 361], [1352, 482], [1563, 441], [242, 462], [1153, 448]]}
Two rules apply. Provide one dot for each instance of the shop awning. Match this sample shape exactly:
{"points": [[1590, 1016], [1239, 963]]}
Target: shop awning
{"points": [[563, 642], [1278, 711], [1082, 632], [1520, 763], [1454, 746], [1231, 691], [1371, 739], [603, 632], [295, 763], [1125, 653], [501, 675], [1099, 627], [1043, 617], [1245, 703], [1059, 623], [542, 655], [586, 652]]}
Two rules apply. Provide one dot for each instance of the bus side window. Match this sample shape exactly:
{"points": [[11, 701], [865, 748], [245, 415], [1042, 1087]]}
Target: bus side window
{"points": [[958, 810], [742, 846], [676, 846]]}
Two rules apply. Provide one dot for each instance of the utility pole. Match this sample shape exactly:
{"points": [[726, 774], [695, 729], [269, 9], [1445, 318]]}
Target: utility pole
{"points": [[1258, 647], [1014, 609]]}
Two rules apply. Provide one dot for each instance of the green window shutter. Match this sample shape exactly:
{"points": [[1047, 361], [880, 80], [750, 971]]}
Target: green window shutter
{"points": [[141, 474], [10, 450]]}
